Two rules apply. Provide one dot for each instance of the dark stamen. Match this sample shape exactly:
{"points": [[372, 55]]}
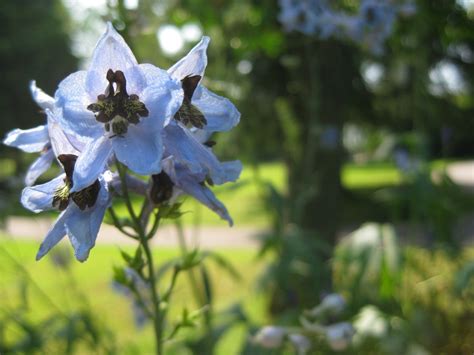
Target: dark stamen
{"points": [[85, 198], [116, 108], [161, 188], [188, 114]]}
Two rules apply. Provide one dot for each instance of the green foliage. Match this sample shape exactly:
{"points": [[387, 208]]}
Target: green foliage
{"points": [[35, 46], [368, 264]]}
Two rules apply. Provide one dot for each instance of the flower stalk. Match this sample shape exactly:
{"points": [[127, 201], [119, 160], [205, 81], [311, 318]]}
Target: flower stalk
{"points": [[143, 238]]}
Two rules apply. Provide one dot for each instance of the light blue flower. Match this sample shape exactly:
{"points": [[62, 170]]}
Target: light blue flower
{"points": [[82, 212], [186, 144], [34, 140], [81, 225], [220, 113], [119, 107], [193, 184], [189, 161], [187, 150]]}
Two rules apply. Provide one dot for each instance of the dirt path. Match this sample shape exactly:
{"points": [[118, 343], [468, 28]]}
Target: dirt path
{"points": [[35, 228]]}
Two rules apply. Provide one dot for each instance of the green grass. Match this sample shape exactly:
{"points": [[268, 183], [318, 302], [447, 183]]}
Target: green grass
{"points": [[425, 284], [51, 289]]}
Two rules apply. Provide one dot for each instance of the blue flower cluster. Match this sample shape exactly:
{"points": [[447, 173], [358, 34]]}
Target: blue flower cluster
{"points": [[156, 122], [370, 27]]}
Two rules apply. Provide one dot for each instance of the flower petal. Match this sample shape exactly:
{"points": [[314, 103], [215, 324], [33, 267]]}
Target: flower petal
{"points": [[55, 234], [41, 98], [111, 52], [190, 185], [38, 167], [163, 96], [140, 150], [29, 140], [199, 159], [82, 228], [91, 163], [40, 197], [220, 113], [60, 142], [73, 98], [231, 170], [194, 63]]}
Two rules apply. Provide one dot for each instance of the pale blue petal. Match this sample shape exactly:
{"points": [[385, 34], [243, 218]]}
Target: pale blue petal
{"points": [[83, 226], [220, 113], [185, 149], [231, 170], [42, 99], [73, 99], [202, 193], [140, 149], [40, 197], [199, 159], [163, 96], [194, 63], [111, 52], [29, 140], [91, 162], [39, 166], [55, 234], [201, 135], [60, 142]]}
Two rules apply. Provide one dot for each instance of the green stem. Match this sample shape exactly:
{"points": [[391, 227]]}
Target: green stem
{"points": [[144, 243], [199, 296], [192, 279]]}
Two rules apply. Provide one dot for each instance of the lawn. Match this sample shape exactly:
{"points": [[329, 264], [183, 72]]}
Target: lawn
{"points": [[51, 289]]}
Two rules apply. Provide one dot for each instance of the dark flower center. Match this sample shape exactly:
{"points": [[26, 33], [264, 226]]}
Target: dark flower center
{"points": [[84, 198], [116, 108], [161, 188], [188, 114]]}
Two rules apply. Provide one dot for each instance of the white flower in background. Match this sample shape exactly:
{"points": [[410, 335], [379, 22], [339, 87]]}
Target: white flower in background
{"points": [[339, 335], [370, 322], [270, 337]]}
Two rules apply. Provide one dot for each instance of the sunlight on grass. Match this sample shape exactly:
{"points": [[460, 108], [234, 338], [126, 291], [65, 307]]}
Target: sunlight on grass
{"points": [[50, 288]]}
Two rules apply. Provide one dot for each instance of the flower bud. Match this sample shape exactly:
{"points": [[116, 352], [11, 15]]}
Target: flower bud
{"points": [[339, 335], [333, 304], [270, 337], [300, 342]]}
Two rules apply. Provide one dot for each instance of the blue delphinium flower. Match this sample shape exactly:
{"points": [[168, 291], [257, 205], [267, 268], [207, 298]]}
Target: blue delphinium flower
{"points": [[189, 161], [34, 140], [120, 107], [220, 114], [188, 141], [81, 212], [176, 179]]}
